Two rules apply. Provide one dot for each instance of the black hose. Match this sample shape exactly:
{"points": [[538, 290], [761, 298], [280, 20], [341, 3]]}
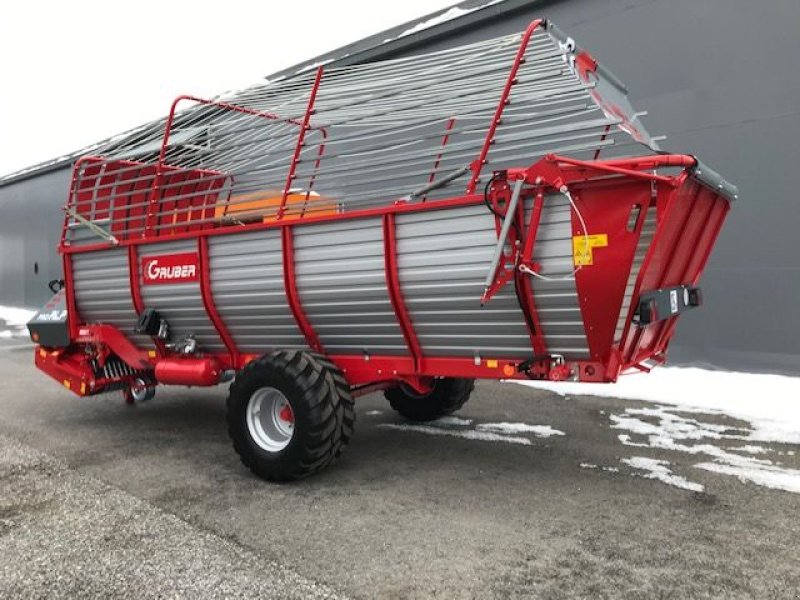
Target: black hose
{"points": [[492, 209], [486, 197]]}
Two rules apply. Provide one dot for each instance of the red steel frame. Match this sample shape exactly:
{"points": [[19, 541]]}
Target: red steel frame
{"points": [[304, 127], [396, 293], [523, 281], [477, 166], [290, 285], [415, 369], [445, 138], [551, 173], [208, 302]]}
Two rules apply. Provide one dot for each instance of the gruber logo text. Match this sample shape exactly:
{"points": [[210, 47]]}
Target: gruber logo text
{"points": [[170, 268]]}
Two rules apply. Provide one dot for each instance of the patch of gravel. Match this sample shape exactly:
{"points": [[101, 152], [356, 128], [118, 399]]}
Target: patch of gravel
{"points": [[65, 535]]}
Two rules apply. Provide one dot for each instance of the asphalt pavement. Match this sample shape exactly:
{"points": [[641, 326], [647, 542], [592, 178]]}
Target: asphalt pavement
{"points": [[525, 494]]}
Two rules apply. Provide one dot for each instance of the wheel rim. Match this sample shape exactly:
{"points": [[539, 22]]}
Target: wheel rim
{"points": [[139, 390], [270, 419]]}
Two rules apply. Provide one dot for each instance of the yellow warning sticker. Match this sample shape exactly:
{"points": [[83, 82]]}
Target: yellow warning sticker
{"points": [[582, 247]]}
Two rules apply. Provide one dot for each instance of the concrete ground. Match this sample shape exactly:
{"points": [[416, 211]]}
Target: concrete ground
{"points": [[101, 499]]}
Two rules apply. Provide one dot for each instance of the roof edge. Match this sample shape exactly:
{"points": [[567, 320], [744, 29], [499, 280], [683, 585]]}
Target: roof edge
{"points": [[386, 43]]}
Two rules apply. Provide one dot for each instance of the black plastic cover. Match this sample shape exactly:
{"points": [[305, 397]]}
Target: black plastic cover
{"points": [[149, 322], [658, 305], [49, 326]]}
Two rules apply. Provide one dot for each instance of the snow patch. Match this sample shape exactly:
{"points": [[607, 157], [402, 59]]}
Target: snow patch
{"points": [[542, 431], [467, 434], [626, 440], [673, 426], [768, 402], [512, 433], [448, 15], [452, 422], [769, 476], [585, 465], [666, 430], [16, 320], [315, 65], [750, 449], [658, 469], [16, 317]]}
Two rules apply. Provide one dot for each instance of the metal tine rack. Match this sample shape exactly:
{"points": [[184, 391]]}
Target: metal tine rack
{"points": [[353, 137]]}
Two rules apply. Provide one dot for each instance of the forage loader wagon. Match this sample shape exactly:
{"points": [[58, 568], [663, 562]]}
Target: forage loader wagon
{"points": [[407, 225]]}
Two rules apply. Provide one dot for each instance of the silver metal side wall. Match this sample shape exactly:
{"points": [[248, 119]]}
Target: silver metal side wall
{"points": [[646, 238], [247, 286], [556, 298], [180, 304], [443, 256], [103, 290], [342, 286]]}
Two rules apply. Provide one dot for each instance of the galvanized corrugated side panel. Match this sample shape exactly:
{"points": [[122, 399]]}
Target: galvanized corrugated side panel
{"points": [[557, 302], [103, 290], [181, 304], [645, 239], [248, 290], [443, 256], [342, 286]]}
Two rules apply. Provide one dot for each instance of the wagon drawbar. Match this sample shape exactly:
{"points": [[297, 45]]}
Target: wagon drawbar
{"points": [[407, 226]]}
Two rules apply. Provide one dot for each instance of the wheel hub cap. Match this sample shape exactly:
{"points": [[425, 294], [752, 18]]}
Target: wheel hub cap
{"points": [[270, 419]]}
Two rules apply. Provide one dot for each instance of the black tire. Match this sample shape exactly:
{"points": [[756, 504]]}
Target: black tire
{"points": [[343, 390], [448, 395], [322, 409]]}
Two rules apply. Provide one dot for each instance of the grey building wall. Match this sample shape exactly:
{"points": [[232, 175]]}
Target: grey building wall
{"points": [[30, 228], [719, 77]]}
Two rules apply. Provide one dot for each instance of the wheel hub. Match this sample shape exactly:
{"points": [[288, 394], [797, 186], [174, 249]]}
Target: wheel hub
{"points": [[270, 419], [140, 390]]}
